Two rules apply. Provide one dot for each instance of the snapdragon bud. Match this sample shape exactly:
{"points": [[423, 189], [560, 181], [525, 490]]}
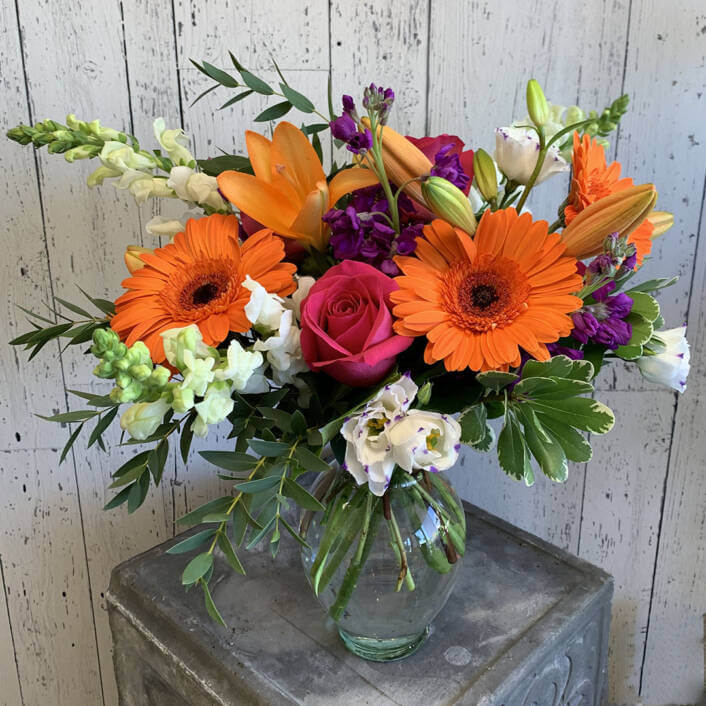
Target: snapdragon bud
{"points": [[450, 203], [536, 103], [485, 174], [82, 152]]}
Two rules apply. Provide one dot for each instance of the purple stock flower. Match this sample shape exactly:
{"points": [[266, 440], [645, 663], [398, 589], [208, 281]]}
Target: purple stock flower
{"points": [[556, 349], [379, 99], [345, 128], [447, 165], [359, 232], [604, 321]]}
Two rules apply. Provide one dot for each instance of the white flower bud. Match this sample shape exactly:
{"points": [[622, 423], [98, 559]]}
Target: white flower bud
{"points": [[516, 153], [670, 367]]}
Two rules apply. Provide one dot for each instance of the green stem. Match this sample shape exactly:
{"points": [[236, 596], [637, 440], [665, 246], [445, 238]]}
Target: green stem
{"points": [[556, 225], [380, 172], [405, 574], [535, 172], [371, 518]]}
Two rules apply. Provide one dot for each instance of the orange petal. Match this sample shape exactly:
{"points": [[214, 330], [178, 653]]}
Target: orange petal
{"points": [[308, 226], [258, 199], [259, 151], [293, 156], [349, 180]]}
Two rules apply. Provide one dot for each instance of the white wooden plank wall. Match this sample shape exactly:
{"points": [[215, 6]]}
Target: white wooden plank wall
{"points": [[457, 66]]}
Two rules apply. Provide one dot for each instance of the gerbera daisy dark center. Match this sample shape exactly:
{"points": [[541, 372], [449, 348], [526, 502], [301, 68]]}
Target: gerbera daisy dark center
{"points": [[202, 289], [481, 295]]}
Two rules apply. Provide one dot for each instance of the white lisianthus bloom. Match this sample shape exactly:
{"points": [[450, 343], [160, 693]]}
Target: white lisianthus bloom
{"points": [[516, 152], [670, 367], [264, 310], [294, 302], [368, 458], [216, 405], [196, 187], [142, 419], [197, 372], [425, 440], [173, 142], [238, 366], [187, 338]]}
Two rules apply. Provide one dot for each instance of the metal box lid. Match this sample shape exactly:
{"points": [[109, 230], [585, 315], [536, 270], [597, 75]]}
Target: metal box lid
{"points": [[518, 604]]}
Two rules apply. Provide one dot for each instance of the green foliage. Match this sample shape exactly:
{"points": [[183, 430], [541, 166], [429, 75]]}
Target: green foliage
{"points": [[544, 412]]}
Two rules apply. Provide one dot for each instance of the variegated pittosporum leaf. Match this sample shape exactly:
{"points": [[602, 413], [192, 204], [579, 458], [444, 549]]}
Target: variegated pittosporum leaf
{"points": [[545, 411]]}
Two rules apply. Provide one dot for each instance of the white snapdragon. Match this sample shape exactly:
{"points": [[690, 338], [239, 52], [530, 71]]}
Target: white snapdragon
{"points": [[173, 142], [177, 341], [264, 309], [425, 440], [283, 350], [216, 405], [516, 153], [162, 226], [670, 366], [141, 419], [239, 368], [196, 187], [197, 372]]}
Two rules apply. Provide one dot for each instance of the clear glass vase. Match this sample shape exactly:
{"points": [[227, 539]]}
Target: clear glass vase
{"points": [[383, 568]]}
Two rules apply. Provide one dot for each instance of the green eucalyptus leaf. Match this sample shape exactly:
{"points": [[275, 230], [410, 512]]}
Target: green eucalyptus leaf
{"points": [[257, 84], [301, 497], [257, 486], [299, 101], [230, 460], [267, 448], [274, 112], [211, 606], [652, 285], [227, 548], [192, 542], [310, 461], [70, 442], [197, 568], [212, 506]]}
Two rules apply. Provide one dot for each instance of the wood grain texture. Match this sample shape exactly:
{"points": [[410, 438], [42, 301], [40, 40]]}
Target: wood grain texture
{"points": [[27, 387], [9, 676], [393, 53], [46, 580], [673, 669]]}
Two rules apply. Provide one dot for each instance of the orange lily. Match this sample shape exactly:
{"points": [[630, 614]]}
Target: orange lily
{"points": [[403, 161], [620, 212], [288, 192]]}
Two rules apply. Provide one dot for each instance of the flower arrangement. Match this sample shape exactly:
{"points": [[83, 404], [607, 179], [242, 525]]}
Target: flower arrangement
{"points": [[375, 316]]}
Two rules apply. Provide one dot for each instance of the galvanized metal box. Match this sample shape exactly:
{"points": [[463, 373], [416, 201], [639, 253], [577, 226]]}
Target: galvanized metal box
{"points": [[527, 625]]}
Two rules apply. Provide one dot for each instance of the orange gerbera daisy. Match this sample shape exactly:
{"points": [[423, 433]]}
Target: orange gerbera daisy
{"points": [[480, 300], [198, 279], [592, 180]]}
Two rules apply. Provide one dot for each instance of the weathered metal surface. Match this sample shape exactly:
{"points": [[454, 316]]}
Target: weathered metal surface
{"points": [[527, 624]]}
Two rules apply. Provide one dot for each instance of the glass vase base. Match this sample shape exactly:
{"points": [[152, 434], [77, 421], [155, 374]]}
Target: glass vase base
{"points": [[386, 650]]}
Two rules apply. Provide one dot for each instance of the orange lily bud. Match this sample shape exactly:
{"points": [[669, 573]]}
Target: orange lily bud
{"points": [[661, 221], [133, 262], [403, 161], [621, 212]]}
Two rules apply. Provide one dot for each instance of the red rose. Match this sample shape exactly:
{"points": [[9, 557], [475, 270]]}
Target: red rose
{"points": [[347, 325], [431, 146]]}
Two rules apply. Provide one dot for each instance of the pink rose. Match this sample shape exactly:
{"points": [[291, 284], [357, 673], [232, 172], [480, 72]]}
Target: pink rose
{"points": [[432, 145], [347, 325]]}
